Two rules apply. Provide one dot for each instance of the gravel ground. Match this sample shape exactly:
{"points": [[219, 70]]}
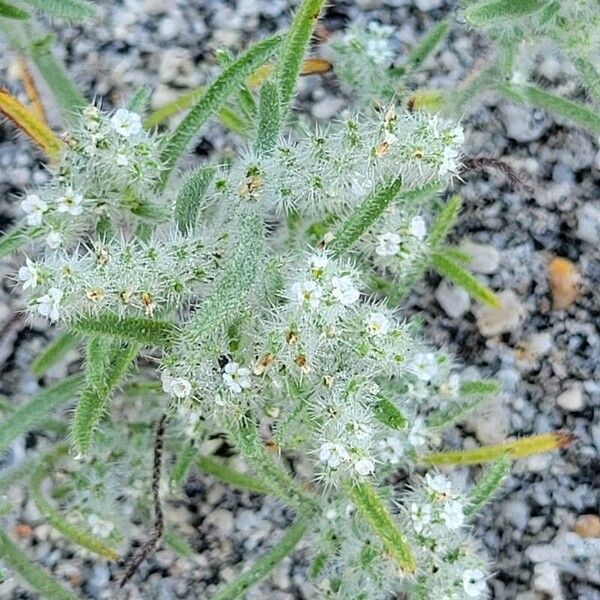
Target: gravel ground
{"points": [[547, 358]]}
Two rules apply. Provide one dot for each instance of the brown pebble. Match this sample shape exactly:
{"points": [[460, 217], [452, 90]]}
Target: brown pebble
{"points": [[564, 282], [22, 530], [588, 526]]}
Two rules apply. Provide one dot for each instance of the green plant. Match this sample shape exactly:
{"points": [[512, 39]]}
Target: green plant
{"points": [[267, 292]]}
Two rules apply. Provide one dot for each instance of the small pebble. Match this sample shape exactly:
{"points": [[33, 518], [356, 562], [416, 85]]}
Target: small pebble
{"points": [[453, 299], [587, 526], [484, 258], [572, 399], [494, 321], [564, 280]]}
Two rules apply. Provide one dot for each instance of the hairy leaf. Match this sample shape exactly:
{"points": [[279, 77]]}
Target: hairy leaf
{"points": [[8, 11], [54, 352], [67, 9], [489, 482], [190, 199], [495, 11], [269, 122]]}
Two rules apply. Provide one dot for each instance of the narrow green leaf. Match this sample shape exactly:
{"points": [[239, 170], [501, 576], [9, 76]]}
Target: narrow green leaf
{"points": [[373, 510], [480, 387], [269, 121], [12, 556], [65, 93], [529, 94], [176, 542], [444, 222], [496, 11], [317, 565], [386, 412], [106, 363], [29, 415], [261, 568], [465, 280], [15, 238], [67, 9], [294, 49], [189, 203], [138, 103], [53, 353], [129, 329], [213, 99], [235, 122], [588, 72], [185, 458], [160, 115], [230, 476], [426, 46], [245, 437], [454, 413], [240, 275], [489, 482], [8, 11], [77, 535], [364, 216]]}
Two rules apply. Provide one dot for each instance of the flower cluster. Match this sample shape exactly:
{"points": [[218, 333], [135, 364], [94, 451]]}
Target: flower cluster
{"points": [[345, 163], [127, 278], [107, 169]]}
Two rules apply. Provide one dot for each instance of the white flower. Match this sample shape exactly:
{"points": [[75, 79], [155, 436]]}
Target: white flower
{"points": [[70, 203], [54, 240], [474, 582], [28, 274], [176, 386], [121, 159], [126, 123], [318, 265], [420, 515], [236, 378], [439, 484], [307, 292], [418, 228], [425, 366], [391, 450], [453, 514], [389, 244], [333, 455], [377, 324], [344, 290], [418, 434], [48, 304], [362, 430], [34, 208], [364, 466], [452, 387], [449, 162]]}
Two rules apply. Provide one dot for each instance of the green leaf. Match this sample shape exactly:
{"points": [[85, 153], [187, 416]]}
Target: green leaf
{"points": [[189, 203], [261, 568], [240, 275], [8, 11], [454, 413], [129, 329], [65, 93], [160, 115], [16, 237], [488, 484], [529, 94], [365, 215], [444, 222], [230, 476], [106, 363], [29, 415], [213, 99], [53, 353], [79, 536], [294, 49], [373, 510], [269, 121], [445, 267], [496, 11], [17, 561], [67, 9], [480, 387], [140, 99], [386, 412], [426, 46], [234, 121], [185, 458], [588, 72], [176, 542]]}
